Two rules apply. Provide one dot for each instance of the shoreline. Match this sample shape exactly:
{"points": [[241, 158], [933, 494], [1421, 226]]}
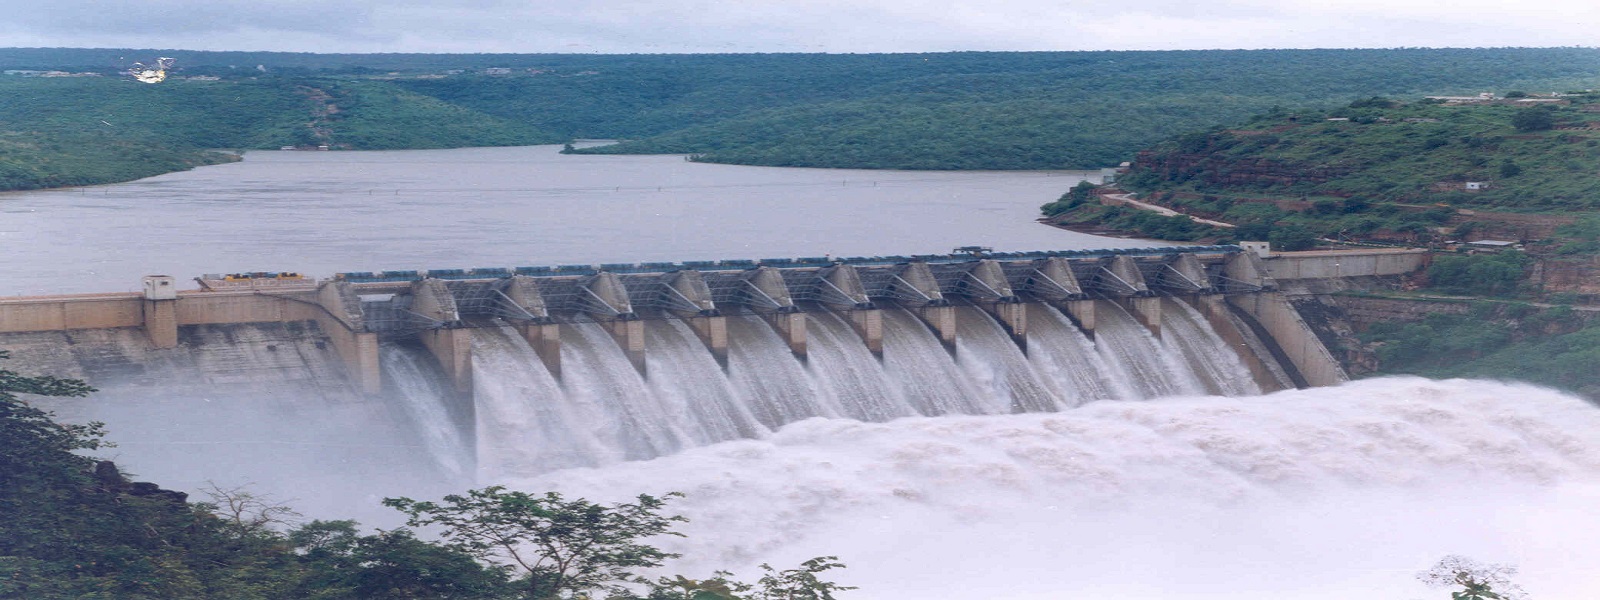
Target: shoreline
{"points": [[1102, 231]]}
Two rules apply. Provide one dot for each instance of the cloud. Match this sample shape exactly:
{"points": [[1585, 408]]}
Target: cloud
{"points": [[790, 25]]}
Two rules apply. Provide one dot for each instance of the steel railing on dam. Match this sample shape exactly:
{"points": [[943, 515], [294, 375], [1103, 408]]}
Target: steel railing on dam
{"points": [[568, 293], [743, 264]]}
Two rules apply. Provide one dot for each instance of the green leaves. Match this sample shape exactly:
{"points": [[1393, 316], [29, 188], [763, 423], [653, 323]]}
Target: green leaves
{"points": [[1480, 581], [1534, 119], [561, 546], [1480, 274], [799, 584], [75, 528], [803, 583]]}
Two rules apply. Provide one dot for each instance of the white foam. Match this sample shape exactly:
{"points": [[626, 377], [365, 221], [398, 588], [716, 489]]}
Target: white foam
{"points": [[1323, 493]]}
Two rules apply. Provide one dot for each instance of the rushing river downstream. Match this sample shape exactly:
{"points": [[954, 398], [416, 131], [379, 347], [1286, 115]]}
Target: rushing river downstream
{"points": [[1081, 468]]}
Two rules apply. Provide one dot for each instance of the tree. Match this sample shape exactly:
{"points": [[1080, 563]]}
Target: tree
{"points": [[1291, 238], [563, 548], [1480, 581], [339, 564], [247, 514], [1482, 274], [43, 435], [789, 584], [801, 583], [1075, 197], [1534, 119]]}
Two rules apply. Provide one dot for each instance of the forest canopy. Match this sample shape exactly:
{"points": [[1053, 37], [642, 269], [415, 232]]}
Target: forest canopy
{"points": [[963, 110]]}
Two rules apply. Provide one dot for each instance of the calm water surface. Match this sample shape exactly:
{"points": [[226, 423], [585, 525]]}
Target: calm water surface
{"points": [[326, 212]]}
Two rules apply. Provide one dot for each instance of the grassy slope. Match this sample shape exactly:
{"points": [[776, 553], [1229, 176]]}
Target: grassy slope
{"points": [[1405, 161], [1375, 177], [1553, 346]]}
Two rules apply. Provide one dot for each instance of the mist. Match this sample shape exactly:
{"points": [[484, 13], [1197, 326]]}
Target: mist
{"points": [[1331, 492]]}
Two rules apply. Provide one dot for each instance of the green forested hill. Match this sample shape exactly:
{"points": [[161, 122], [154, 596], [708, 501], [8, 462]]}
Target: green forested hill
{"points": [[1525, 154], [1375, 170], [77, 131], [966, 110]]}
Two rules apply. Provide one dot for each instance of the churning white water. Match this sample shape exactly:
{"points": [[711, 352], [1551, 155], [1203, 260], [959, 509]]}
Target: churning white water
{"points": [[1059, 472], [1340, 492]]}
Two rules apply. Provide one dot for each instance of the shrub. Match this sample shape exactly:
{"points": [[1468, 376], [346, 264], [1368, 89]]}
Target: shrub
{"points": [[1479, 275]]}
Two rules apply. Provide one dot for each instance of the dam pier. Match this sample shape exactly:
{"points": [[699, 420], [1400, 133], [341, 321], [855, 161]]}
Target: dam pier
{"points": [[1234, 288]]}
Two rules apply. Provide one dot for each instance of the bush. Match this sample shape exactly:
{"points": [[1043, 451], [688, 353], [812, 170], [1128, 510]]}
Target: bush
{"points": [[1292, 238], [1534, 119], [1073, 198], [1478, 275]]}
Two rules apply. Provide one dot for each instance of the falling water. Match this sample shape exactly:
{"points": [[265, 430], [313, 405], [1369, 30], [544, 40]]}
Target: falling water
{"points": [[1185, 329], [412, 378], [603, 411], [1066, 357], [519, 420], [687, 381], [524, 420], [1138, 357], [927, 374], [997, 365], [844, 369], [768, 377], [598, 376]]}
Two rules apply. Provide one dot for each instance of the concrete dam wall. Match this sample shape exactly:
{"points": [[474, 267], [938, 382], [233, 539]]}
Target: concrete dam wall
{"points": [[458, 376]]}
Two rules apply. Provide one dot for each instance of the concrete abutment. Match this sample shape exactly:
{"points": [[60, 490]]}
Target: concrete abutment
{"points": [[713, 332], [1013, 317], [453, 348], [1297, 341], [1215, 310], [1147, 309], [161, 323]]}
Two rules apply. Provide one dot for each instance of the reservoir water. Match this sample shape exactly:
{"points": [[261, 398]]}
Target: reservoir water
{"points": [[327, 212], [1083, 467]]}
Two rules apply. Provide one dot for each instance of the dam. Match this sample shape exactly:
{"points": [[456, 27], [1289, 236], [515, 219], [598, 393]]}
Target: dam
{"points": [[507, 371]]}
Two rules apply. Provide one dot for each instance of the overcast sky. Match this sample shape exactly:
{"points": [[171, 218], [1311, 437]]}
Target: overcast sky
{"points": [[625, 26]]}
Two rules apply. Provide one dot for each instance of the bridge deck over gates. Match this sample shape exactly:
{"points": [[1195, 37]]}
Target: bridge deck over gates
{"points": [[624, 291]]}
